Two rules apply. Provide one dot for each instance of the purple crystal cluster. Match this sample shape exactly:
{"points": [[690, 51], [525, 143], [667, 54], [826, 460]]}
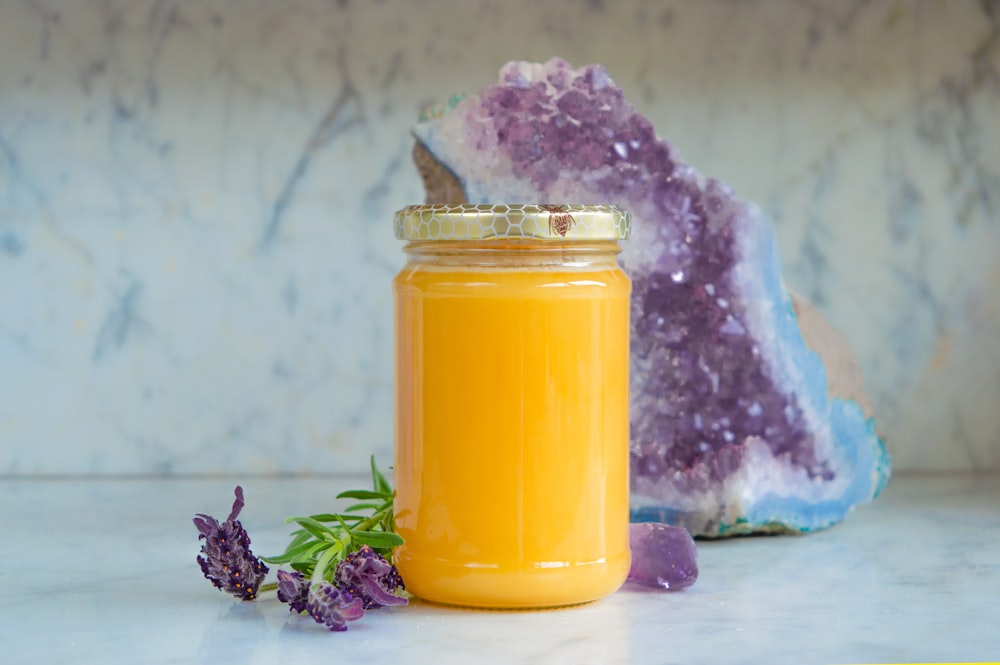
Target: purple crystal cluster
{"points": [[662, 556], [733, 429]]}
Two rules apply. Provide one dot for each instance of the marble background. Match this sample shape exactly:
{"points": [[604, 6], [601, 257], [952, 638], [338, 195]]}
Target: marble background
{"points": [[195, 205]]}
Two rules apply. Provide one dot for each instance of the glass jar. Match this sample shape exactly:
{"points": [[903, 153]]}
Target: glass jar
{"points": [[511, 432]]}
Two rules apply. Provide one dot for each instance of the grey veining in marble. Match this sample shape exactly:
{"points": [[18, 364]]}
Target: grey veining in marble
{"points": [[195, 203], [912, 578]]}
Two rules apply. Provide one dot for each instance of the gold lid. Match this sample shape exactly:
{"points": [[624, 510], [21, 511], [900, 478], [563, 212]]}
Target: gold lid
{"points": [[502, 222]]}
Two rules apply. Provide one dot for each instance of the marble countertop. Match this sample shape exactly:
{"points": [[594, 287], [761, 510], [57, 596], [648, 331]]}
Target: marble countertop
{"points": [[103, 571]]}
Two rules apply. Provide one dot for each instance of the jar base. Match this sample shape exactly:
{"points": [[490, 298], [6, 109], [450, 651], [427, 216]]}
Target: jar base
{"points": [[532, 588]]}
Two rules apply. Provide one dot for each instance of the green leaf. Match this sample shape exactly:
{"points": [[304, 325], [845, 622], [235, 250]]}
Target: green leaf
{"points": [[276, 560], [362, 506], [323, 517], [299, 536], [350, 518], [304, 567], [317, 548], [317, 529], [364, 494], [291, 554], [377, 539], [336, 517], [378, 480], [344, 524]]}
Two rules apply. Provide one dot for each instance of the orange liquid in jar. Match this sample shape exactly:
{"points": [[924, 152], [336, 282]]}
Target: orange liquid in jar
{"points": [[511, 466]]}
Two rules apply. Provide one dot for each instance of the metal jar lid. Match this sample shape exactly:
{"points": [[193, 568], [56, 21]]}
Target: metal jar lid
{"points": [[505, 222]]}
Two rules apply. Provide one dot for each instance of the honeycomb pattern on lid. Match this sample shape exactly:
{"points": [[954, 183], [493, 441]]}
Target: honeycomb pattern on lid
{"points": [[498, 222]]}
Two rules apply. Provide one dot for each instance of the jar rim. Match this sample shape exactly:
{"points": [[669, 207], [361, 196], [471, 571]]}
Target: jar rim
{"points": [[469, 221]]}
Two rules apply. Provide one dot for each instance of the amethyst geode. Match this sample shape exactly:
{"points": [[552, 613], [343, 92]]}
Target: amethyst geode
{"points": [[734, 427]]}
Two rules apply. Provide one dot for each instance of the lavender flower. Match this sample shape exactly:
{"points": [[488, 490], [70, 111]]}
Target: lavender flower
{"points": [[330, 606], [228, 562], [368, 576], [293, 588]]}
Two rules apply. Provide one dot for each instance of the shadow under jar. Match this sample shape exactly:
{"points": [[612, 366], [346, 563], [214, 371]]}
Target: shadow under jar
{"points": [[511, 432]]}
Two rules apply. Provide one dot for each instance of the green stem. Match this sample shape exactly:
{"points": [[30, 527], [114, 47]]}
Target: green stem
{"points": [[270, 586], [373, 520], [324, 561]]}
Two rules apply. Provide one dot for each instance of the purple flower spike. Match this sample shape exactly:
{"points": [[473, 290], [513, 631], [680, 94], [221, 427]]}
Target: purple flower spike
{"points": [[226, 559], [293, 588], [332, 607], [368, 576]]}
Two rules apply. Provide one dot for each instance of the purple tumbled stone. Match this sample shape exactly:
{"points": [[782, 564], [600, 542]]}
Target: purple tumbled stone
{"points": [[662, 556], [734, 427]]}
